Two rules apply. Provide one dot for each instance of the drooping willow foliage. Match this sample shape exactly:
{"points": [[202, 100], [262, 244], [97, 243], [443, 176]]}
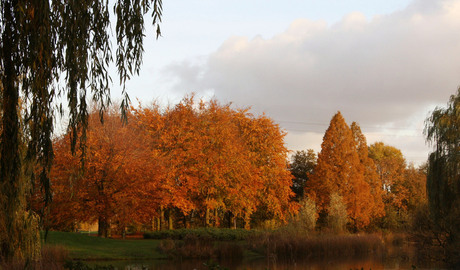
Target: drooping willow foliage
{"points": [[443, 180], [443, 132], [52, 50]]}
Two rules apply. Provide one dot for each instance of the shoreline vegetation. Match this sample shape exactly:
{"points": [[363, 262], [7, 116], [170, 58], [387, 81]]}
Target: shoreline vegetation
{"points": [[67, 250]]}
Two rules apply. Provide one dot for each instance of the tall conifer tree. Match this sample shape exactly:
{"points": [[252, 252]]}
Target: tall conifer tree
{"points": [[370, 170], [340, 171]]}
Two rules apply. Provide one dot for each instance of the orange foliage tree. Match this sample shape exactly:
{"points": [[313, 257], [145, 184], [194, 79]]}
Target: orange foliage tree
{"points": [[339, 170], [370, 171], [415, 183], [107, 189], [404, 187], [228, 172], [268, 155], [200, 162]]}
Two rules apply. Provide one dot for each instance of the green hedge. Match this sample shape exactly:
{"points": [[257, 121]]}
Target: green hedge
{"points": [[219, 234]]}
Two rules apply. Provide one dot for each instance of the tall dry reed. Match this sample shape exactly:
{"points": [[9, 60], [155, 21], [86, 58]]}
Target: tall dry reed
{"points": [[53, 257], [292, 248], [202, 247]]}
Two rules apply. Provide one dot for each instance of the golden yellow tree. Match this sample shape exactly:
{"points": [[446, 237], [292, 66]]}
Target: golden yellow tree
{"points": [[391, 166]]}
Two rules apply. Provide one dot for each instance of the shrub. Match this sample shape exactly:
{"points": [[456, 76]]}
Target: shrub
{"points": [[190, 247], [167, 246], [78, 265], [203, 246], [307, 216], [217, 234], [337, 218], [196, 247]]}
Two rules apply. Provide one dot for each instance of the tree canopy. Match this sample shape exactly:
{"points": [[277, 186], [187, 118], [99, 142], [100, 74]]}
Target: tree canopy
{"points": [[302, 165], [200, 163]]}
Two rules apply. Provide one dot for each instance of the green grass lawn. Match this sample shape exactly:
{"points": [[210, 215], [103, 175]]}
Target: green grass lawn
{"points": [[85, 247]]}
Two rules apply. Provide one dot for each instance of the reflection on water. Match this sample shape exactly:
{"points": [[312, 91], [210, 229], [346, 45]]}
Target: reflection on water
{"points": [[373, 263], [396, 258]]}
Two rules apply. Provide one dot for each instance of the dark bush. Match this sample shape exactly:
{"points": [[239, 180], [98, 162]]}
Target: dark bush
{"points": [[216, 234]]}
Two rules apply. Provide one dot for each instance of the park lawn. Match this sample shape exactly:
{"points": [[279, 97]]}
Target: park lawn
{"points": [[86, 247]]}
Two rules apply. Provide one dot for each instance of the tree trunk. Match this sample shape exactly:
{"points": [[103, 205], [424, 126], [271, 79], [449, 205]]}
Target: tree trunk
{"points": [[152, 224], [170, 219], [233, 220], [10, 158], [157, 224], [247, 221], [162, 216], [103, 227], [186, 224], [207, 223], [216, 218]]}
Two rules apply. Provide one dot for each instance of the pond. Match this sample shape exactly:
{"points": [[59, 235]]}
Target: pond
{"points": [[264, 264], [400, 258]]}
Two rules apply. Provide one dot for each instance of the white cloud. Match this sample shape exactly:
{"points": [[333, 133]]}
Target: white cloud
{"points": [[376, 71]]}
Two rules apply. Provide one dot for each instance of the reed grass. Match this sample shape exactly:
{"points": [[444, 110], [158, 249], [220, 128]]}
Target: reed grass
{"points": [[201, 247], [291, 248], [53, 257]]}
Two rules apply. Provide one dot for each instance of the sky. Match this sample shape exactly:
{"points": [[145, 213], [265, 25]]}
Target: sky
{"points": [[385, 64]]}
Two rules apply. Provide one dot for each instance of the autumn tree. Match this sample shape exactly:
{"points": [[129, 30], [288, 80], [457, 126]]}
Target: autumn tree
{"points": [[181, 150], [210, 165], [443, 182], [199, 163], [415, 184], [340, 171], [149, 124], [43, 43], [113, 188], [220, 163], [302, 165], [370, 171], [391, 166], [227, 171], [403, 185], [265, 141]]}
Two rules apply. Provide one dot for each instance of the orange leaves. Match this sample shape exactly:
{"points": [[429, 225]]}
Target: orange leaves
{"points": [[191, 157], [110, 183], [340, 170], [370, 172], [401, 184]]}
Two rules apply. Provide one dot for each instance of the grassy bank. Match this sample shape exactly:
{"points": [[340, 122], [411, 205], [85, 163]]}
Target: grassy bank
{"points": [[85, 247]]}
